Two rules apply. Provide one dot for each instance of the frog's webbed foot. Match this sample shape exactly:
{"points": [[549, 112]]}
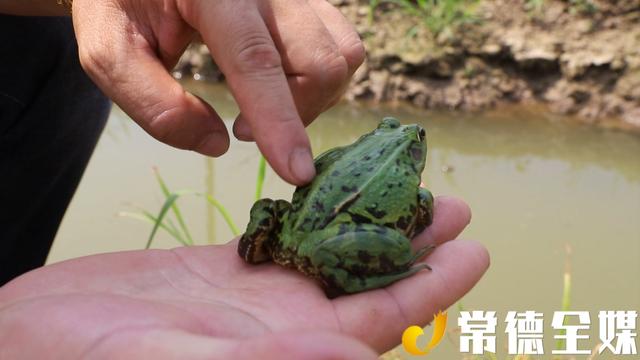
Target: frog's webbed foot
{"points": [[255, 245], [422, 252], [367, 257]]}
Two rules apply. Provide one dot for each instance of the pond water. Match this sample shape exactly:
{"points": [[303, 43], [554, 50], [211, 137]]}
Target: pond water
{"points": [[538, 185]]}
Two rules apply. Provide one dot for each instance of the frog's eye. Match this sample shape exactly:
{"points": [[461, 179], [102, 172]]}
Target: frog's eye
{"points": [[421, 135], [389, 123]]}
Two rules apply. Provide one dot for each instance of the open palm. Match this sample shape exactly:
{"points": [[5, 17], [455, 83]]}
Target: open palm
{"points": [[205, 302]]}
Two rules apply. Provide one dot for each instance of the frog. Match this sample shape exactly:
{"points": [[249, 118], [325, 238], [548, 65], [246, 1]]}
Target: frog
{"points": [[350, 228]]}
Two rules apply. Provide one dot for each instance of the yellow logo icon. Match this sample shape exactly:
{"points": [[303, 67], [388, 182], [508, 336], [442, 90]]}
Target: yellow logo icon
{"points": [[411, 334]]}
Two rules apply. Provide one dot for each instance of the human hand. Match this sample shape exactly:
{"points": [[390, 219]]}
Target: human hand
{"points": [[205, 302], [285, 62]]}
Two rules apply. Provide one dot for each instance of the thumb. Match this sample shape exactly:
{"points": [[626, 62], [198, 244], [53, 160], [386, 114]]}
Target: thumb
{"points": [[123, 63]]}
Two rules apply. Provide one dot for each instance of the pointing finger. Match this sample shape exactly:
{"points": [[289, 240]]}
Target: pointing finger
{"points": [[242, 45]]}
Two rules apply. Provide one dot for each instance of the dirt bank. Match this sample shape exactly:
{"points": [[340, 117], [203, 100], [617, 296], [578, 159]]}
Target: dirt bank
{"points": [[577, 61]]}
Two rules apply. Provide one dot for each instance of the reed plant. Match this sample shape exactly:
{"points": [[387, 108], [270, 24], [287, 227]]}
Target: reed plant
{"points": [[170, 219]]}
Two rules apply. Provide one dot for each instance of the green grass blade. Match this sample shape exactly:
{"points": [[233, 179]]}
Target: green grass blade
{"points": [[174, 207], [170, 225], [149, 218], [171, 199], [566, 291], [223, 211], [262, 169]]}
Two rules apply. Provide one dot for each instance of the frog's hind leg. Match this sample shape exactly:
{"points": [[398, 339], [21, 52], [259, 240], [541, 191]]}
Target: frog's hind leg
{"points": [[366, 257], [255, 245]]}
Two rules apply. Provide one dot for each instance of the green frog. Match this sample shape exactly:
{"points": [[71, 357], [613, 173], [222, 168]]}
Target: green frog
{"points": [[350, 228]]}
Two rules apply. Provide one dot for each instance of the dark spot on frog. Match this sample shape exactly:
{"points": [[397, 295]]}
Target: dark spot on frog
{"points": [[403, 222], [381, 152], [345, 188], [318, 206], [385, 263], [335, 173], [364, 256], [406, 173], [265, 223], [390, 185], [412, 209], [359, 219], [384, 193], [356, 174], [378, 214], [367, 158]]}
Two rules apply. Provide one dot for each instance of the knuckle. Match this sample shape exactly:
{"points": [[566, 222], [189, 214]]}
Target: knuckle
{"points": [[96, 61], [353, 50], [330, 70], [257, 54], [160, 126]]}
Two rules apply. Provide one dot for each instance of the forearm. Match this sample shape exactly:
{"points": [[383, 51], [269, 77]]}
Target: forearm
{"points": [[33, 8]]}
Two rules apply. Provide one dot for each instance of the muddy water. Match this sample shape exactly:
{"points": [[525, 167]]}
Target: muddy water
{"points": [[539, 187]]}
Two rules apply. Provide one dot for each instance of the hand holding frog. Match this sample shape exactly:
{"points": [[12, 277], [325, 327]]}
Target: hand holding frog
{"points": [[205, 302]]}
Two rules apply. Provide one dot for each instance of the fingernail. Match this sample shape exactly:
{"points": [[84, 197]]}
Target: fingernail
{"points": [[214, 144], [301, 165], [241, 130]]}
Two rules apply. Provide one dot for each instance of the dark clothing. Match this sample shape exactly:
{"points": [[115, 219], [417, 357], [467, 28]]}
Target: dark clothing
{"points": [[51, 116]]}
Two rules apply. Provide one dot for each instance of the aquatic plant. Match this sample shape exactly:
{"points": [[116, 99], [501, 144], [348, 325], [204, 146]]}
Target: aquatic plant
{"points": [[180, 232]]}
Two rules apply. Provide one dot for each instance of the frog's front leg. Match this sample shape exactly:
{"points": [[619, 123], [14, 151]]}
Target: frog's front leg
{"points": [[425, 211], [255, 245], [364, 257]]}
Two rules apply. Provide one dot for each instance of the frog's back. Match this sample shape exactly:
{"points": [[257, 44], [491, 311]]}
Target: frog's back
{"points": [[374, 180]]}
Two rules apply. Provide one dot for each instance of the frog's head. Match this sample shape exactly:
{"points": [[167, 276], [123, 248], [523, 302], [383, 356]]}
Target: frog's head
{"points": [[411, 137]]}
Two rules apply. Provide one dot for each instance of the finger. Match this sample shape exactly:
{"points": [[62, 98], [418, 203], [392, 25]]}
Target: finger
{"points": [[379, 317], [317, 72], [343, 32], [450, 216], [243, 48], [127, 69], [346, 37]]}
